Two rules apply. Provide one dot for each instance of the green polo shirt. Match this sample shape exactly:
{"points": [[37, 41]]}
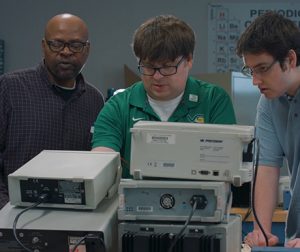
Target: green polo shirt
{"points": [[201, 103]]}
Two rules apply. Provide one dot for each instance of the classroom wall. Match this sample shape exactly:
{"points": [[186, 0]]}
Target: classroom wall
{"points": [[111, 25]]}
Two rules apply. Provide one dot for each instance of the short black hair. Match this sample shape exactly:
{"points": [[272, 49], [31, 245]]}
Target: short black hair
{"points": [[271, 33]]}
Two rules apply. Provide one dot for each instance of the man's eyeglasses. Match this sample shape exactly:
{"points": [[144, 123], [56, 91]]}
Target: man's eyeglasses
{"points": [[165, 70], [57, 45], [257, 70]]}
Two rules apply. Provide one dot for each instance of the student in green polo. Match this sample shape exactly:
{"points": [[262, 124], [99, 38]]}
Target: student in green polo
{"points": [[164, 47]]}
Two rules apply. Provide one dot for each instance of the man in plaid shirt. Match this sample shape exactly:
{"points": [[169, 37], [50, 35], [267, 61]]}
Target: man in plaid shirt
{"points": [[50, 106]]}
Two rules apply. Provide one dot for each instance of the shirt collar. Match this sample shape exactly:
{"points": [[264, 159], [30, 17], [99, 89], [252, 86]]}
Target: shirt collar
{"points": [[138, 97], [191, 96], [189, 100], [41, 68]]}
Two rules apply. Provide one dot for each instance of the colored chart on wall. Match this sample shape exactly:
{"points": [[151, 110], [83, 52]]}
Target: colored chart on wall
{"points": [[226, 21]]}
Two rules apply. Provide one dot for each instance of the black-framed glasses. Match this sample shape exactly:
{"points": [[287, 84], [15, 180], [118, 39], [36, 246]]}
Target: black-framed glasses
{"points": [[57, 45], [164, 70], [257, 70]]}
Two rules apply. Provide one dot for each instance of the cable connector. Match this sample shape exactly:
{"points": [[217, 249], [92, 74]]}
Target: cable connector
{"points": [[248, 155], [43, 198], [200, 200], [93, 243]]}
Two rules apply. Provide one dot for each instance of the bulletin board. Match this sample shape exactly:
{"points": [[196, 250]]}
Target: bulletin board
{"points": [[226, 21]]}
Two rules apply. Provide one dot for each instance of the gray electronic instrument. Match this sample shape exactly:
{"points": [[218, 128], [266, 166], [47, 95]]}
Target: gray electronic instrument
{"points": [[173, 200], [71, 179], [192, 151], [49, 230], [206, 237]]}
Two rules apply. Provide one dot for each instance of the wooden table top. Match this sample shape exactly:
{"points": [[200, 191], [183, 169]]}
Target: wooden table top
{"points": [[279, 214]]}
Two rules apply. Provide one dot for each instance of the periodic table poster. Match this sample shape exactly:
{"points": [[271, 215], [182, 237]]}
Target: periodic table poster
{"points": [[226, 21]]}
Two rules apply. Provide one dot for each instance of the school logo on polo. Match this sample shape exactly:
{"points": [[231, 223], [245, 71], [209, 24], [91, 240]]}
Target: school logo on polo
{"points": [[197, 118]]}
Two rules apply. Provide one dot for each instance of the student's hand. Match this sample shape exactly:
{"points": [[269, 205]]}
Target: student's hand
{"points": [[295, 243], [256, 238]]}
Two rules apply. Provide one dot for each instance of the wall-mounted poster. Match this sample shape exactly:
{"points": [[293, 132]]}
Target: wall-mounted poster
{"points": [[226, 21]]}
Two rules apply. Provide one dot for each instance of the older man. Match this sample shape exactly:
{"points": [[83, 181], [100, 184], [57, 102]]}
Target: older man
{"points": [[50, 106]]}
